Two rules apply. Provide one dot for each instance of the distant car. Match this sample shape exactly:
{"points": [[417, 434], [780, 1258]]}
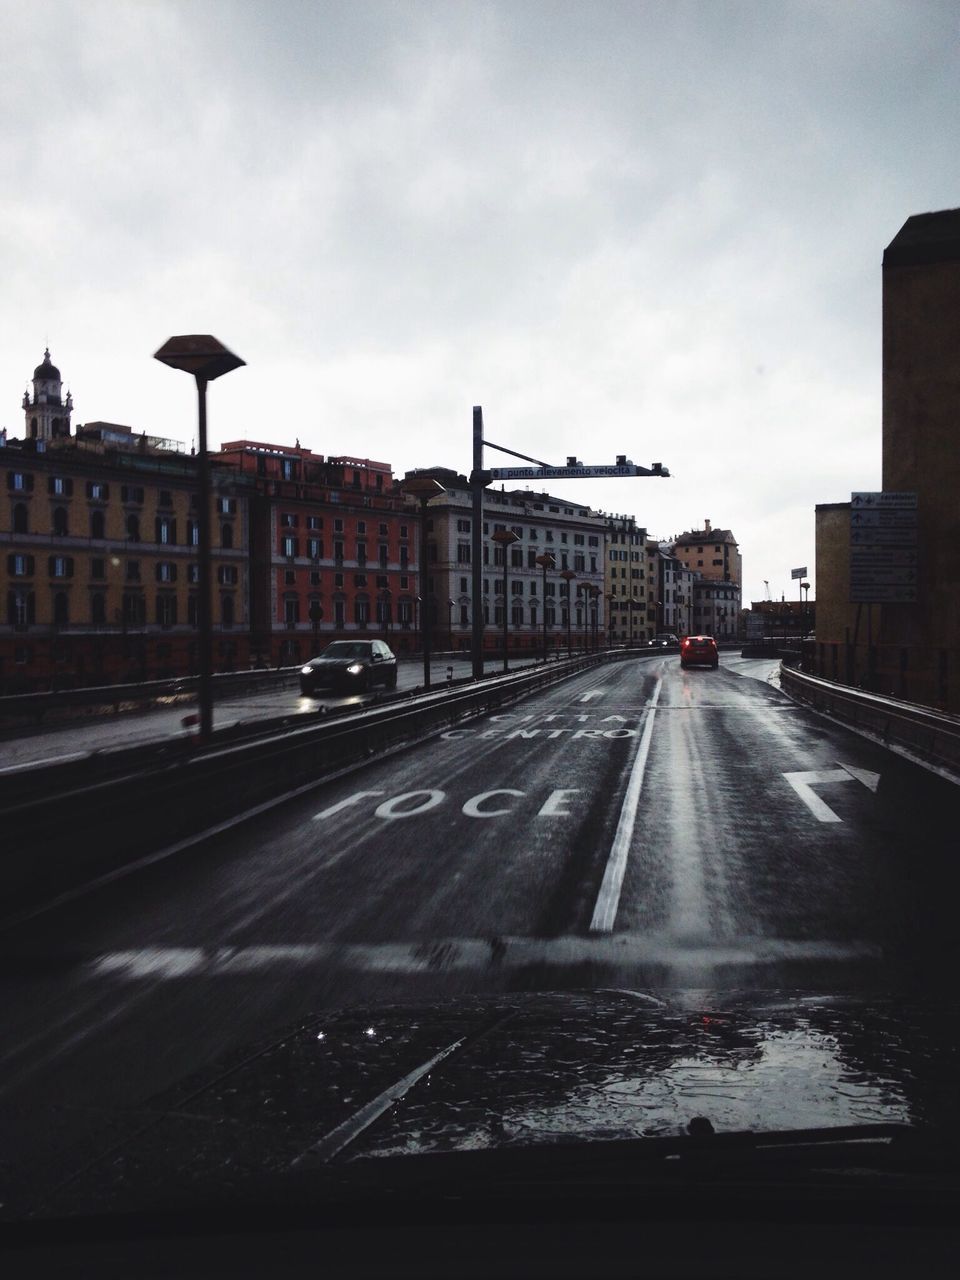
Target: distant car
{"points": [[699, 651], [665, 638], [350, 665]]}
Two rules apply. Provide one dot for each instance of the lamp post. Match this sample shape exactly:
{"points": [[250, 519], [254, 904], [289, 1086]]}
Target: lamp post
{"points": [[545, 561], [385, 600], [423, 488], [594, 591], [450, 626], [206, 358], [805, 587], [568, 576], [505, 538]]}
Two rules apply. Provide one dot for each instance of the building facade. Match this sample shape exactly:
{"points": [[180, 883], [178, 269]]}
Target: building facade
{"points": [[630, 581], [909, 648], [332, 550], [98, 547], [529, 595]]}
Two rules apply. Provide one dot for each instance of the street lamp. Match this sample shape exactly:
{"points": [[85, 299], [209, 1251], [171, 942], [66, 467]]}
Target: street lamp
{"points": [[385, 600], [594, 592], [505, 538], [568, 576], [423, 488], [545, 561], [804, 586], [450, 626], [206, 358]]}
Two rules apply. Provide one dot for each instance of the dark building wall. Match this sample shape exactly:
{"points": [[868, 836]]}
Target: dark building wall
{"points": [[921, 449]]}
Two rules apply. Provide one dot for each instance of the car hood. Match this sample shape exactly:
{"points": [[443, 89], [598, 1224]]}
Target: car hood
{"points": [[475, 1074]]}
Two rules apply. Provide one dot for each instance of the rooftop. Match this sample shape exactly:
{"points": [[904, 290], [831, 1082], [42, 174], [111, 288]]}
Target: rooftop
{"points": [[925, 238]]}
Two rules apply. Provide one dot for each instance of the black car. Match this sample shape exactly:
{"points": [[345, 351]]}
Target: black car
{"points": [[351, 665]]}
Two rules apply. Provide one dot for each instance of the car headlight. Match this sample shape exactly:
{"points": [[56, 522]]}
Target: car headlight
{"points": [[355, 669], [306, 671]]}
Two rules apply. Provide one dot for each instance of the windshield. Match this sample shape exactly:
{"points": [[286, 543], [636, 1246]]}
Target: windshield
{"points": [[584, 382], [344, 649]]}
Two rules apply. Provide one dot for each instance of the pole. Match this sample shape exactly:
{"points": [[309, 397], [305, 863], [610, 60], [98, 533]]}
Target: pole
{"points": [[476, 547], [544, 609], [424, 610], [506, 608], [203, 557]]}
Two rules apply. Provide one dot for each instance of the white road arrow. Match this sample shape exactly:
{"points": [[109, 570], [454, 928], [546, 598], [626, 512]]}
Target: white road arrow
{"points": [[594, 693], [803, 784]]}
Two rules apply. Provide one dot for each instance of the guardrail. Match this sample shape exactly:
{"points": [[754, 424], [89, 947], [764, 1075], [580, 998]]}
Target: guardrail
{"points": [[930, 738], [66, 825]]}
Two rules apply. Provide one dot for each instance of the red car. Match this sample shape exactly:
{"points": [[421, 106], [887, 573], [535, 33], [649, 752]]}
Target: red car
{"points": [[699, 651]]}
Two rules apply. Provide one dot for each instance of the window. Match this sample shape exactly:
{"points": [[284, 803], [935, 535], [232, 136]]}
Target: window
{"points": [[98, 609], [404, 557], [578, 539], [133, 528], [61, 609], [463, 553], [227, 611], [516, 587], [60, 522], [403, 531], [404, 582], [193, 533], [165, 498], [166, 530], [98, 568], [361, 553], [593, 540], [289, 578], [133, 571], [131, 493], [338, 526], [463, 526], [288, 520], [20, 519], [338, 552], [97, 524], [193, 611], [60, 486], [20, 566], [226, 536], [288, 546], [383, 555], [193, 573], [383, 530], [227, 575], [291, 611], [61, 566], [359, 579], [166, 609], [314, 548], [166, 571], [98, 490], [338, 580], [19, 482], [20, 607], [314, 522], [361, 612], [227, 506]]}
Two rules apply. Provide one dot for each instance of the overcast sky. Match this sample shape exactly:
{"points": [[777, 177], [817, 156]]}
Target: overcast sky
{"points": [[644, 228]]}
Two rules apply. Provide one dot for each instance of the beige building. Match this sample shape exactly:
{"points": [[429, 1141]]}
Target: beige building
{"points": [[629, 585]]}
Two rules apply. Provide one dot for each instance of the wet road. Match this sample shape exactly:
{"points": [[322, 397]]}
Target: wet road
{"points": [[635, 826]]}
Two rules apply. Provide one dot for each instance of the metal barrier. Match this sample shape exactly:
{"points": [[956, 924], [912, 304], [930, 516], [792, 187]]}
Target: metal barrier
{"points": [[931, 738], [71, 823]]}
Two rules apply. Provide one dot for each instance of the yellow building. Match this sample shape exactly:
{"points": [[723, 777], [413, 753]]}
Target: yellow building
{"points": [[98, 547]]}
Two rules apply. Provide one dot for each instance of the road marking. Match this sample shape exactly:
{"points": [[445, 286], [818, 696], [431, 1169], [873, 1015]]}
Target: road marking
{"points": [[553, 806], [345, 804], [472, 807], [804, 782], [605, 911], [594, 693], [389, 808]]}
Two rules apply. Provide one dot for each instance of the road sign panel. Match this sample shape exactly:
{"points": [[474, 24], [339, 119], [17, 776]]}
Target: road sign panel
{"points": [[883, 499], [871, 594], [875, 536]]}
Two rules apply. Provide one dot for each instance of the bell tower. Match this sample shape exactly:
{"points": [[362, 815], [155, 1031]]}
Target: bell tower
{"points": [[47, 414]]}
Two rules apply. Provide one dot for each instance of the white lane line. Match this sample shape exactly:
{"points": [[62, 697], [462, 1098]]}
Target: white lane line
{"points": [[605, 911]]}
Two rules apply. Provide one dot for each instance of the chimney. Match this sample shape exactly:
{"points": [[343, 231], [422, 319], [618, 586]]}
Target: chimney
{"points": [[706, 526]]}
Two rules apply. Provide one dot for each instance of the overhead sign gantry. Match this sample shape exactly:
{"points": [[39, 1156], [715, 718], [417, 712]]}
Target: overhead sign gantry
{"points": [[479, 479]]}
